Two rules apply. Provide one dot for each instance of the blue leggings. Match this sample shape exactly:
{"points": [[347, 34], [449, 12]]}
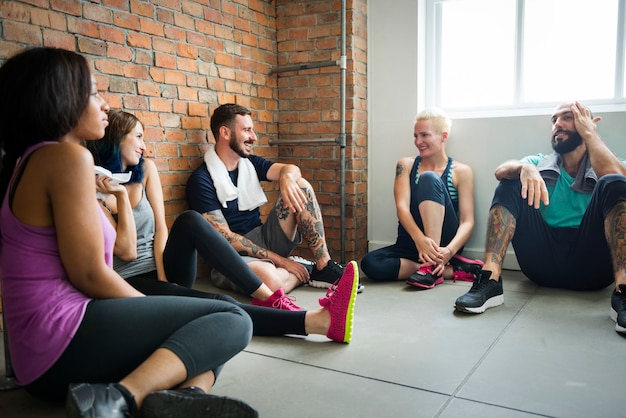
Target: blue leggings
{"points": [[383, 264], [117, 335], [568, 258]]}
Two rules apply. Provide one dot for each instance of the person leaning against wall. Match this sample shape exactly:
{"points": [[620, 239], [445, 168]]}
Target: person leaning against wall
{"points": [[434, 197], [226, 190], [72, 321], [135, 209], [565, 215]]}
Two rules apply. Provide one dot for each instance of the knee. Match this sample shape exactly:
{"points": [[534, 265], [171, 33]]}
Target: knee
{"points": [[430, 187], [189, 218], [615, 182]]}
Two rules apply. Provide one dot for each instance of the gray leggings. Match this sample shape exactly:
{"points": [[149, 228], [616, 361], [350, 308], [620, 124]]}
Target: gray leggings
{"points": [[117, 335]]}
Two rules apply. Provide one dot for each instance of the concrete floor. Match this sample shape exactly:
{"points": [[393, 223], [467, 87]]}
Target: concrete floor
{"points": [[545, 352]]}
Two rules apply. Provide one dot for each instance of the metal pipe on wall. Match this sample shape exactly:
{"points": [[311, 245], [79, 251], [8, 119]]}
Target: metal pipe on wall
{"points": [[341, 140]]}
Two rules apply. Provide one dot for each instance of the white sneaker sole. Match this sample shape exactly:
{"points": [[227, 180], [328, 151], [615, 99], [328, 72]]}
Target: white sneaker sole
{"points": [[490, 303], [613, 316]]}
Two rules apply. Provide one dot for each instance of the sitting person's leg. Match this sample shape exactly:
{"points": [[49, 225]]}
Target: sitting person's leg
{"points": [[390, 263], [272, 322], [118, 335], [191, 234], [308, 226]]}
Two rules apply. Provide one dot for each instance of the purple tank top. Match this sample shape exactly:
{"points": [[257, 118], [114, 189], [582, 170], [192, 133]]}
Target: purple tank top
{"points": [[42, 308]]}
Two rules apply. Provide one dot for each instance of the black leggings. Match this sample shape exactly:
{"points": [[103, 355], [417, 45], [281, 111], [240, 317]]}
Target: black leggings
{"points": [[265, 321], [117, 335], [383, 264], [192, 234]]}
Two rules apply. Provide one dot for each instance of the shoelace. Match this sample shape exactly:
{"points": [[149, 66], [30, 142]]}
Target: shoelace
{"points": [[336, 268], [285, 301], [479, 284]]}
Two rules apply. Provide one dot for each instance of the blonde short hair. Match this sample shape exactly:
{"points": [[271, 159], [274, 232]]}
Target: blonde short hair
{"points": [[440, 120]]}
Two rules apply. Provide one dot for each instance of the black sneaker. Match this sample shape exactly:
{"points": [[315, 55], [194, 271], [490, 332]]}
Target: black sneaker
{"points": [[618, 308], [327, 276], [194, 402], [424, 278], [99, 400], [460, 263], [484, 294]]}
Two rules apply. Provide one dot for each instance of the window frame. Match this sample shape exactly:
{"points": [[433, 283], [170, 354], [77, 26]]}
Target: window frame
{"points": [[429, 42]]}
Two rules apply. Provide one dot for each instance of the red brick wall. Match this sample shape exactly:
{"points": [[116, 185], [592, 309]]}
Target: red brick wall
{"points": [[171, 62]]}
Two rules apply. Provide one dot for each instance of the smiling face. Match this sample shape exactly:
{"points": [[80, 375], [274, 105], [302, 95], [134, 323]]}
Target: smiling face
{"points": [[427, 140], [242, 136], [565, 137], [132, 146]]}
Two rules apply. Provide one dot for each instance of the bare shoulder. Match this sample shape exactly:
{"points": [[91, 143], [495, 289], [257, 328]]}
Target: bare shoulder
{"points": [[59, 157], [461, 168], [406, 161]]}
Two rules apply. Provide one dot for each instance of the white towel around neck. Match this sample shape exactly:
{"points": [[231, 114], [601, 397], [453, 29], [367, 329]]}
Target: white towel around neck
{"points": [[250, 197]]}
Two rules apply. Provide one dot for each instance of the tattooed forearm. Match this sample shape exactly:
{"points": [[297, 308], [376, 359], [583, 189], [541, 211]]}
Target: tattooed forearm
{"points": [[242, 244], [500, 230], [251, 249], [615, 231]]}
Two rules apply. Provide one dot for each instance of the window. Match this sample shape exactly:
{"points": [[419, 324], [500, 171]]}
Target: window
{"points": [[516, 55]]}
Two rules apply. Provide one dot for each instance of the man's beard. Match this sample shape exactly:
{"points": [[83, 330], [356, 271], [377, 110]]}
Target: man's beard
{"points": [[570, 144], [238, 148]]}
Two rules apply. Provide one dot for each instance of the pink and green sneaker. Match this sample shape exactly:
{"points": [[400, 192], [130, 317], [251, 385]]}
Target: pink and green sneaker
{"points": [[339, 302]]}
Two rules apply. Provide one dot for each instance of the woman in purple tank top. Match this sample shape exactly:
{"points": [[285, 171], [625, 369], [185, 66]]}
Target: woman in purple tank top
{"points": [[76, 328]]}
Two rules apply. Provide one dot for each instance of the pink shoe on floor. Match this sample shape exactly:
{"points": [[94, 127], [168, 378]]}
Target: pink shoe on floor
{"points": [[463, 276], [339, 302], [278, 300], [424, 278]]}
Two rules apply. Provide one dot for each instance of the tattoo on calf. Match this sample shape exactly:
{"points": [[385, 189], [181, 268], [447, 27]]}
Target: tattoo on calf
{"points": [[500, 230], [615, 231]]}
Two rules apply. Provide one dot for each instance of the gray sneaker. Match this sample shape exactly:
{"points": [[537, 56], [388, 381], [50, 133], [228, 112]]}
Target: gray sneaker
{"points": [[484, 294]]}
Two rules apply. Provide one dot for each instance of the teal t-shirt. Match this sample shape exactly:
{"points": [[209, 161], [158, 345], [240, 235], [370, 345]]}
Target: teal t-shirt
{"points": [[567, 207]]}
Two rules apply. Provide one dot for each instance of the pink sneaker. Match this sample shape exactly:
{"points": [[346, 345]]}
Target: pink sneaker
{"points": [[463, 276], [339, 302], [278, 300], [465, 269], [424, 278]]}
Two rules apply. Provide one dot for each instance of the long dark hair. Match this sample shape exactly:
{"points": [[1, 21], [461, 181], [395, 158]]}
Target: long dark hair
{"points": [[106, 152], [44, 92]]}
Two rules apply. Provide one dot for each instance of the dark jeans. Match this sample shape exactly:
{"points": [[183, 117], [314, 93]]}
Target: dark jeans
{"points": [[568, 258]]}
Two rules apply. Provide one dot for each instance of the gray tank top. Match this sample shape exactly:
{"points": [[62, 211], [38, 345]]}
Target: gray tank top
{"points": [[144, 222]]}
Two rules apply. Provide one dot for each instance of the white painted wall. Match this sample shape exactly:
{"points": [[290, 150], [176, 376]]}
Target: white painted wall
{"points": [[481, 143]]}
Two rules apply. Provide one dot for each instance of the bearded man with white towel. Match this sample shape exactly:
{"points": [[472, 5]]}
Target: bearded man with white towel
{"points": [[226, 190]]}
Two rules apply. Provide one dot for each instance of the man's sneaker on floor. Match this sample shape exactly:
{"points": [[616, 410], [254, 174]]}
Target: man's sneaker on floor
{"points": [[278, 300], [424, 278], [484, 294], [467, 265], [339, 302], [618, 308], [327, 276]]}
